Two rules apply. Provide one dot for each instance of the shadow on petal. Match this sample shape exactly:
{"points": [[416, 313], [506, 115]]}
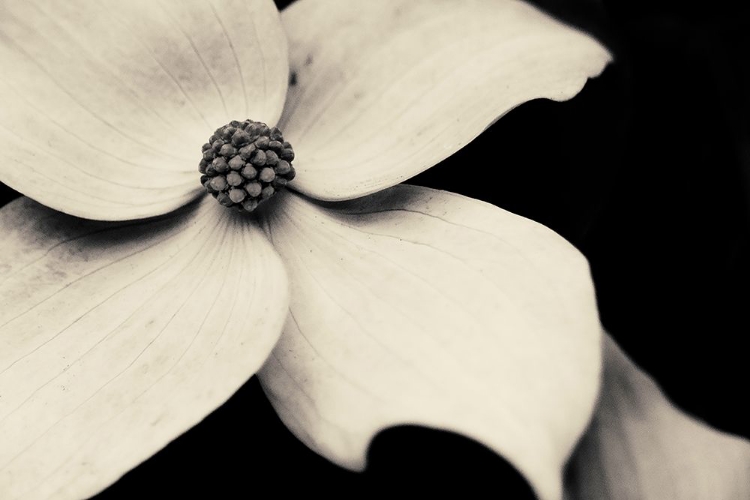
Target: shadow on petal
{"points": [[107, 122], [416, 306], [375, 103], [116, 338], [640, 446]]}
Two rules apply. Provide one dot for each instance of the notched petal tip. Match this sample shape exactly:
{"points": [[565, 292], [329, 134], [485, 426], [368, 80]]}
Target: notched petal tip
{"points": [[423, 307], [363, 120]]}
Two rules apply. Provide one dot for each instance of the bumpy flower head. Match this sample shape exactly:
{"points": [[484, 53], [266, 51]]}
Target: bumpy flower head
{"points": [[245, 163]]}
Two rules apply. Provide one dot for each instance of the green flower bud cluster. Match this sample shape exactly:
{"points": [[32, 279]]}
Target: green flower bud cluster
{"points": [[245, 163]]}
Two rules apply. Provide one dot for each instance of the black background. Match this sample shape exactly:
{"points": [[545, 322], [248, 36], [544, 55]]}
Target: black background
{"points": [[647, 172]]}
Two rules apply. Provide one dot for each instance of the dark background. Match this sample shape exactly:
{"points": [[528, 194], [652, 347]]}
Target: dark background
{"points": [[647, 172]]}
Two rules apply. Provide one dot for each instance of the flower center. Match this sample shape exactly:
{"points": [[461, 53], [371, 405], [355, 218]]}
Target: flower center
{"points": [[245, 163]]}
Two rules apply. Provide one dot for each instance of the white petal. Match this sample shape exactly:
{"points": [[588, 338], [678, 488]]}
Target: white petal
{"points": [[641, 447], [108, 103], [116, 338], [421, 306], [385, 90]]}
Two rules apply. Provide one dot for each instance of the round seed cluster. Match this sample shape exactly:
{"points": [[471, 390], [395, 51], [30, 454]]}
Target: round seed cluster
{"points": [[245, 163]]}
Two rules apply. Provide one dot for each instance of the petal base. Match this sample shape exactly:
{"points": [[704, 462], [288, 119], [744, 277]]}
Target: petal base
{"points": [[116, 338], [422, 307], [385, 90]]}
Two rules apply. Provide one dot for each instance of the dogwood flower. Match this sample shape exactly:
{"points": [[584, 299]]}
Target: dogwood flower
{"points": [[134, 305]]}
